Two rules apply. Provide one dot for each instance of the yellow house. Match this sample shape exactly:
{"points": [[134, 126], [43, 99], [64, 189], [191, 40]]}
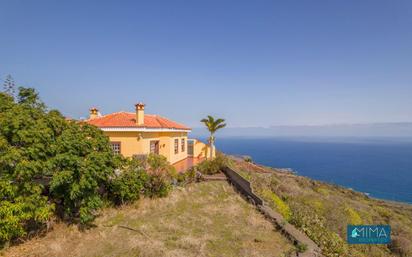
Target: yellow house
{"points": [[136, 133]]}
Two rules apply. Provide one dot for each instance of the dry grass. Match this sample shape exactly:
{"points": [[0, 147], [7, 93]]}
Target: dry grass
{"points": [[206, 219]]}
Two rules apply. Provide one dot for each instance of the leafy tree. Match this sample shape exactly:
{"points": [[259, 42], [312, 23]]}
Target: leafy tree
{"points": [[21, 209], [6, 102], [83, 165], [213, 125], [23, 146], [47, 164], [9, 86], [30, 98]]}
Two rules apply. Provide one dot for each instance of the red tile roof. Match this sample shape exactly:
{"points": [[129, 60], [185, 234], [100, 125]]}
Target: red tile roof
{"points": [[128, 120]]}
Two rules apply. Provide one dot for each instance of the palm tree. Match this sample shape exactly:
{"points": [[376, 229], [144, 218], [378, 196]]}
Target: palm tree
{"points": [[213, 125]]}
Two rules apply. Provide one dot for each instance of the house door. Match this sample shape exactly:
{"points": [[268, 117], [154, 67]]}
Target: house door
{"points": [[190, 145], [154, 146]]}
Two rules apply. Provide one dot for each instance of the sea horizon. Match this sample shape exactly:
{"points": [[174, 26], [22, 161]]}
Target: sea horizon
{"points": [[377, 166]]}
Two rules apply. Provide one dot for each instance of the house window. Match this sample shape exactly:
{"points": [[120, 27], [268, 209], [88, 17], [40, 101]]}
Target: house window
{"points": [[176, 146], [115, 147], [154, 146], [183, 144]]}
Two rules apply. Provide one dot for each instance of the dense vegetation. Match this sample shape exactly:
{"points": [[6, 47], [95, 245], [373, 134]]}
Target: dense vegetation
{"points": [[323, 211], [51, 167], [212, 166]]}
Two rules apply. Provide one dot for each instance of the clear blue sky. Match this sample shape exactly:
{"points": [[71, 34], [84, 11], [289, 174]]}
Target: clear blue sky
{"points": [[255, 63]]}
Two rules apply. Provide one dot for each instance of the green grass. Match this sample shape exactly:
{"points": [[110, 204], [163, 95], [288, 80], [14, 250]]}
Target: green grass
{"points": [[205, 219]]}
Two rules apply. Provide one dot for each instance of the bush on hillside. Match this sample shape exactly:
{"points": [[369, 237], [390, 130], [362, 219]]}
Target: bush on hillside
{"points": [[314, 226], [277, 203], [152, 176], [129, 183], [186, 177], [161, 175], [210, 167], [247, 158], [353, 216], [21, 209]]}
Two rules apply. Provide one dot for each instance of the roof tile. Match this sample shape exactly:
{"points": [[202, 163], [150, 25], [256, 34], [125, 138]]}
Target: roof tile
{"points": [[128, 119]]}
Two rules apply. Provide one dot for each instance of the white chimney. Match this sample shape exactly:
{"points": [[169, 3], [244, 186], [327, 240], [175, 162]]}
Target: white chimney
{"points": [[94, 113]]}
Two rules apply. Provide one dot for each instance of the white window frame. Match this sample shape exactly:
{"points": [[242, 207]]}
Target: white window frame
{"points": [[183, 145], [116, 147], [176, 145]]}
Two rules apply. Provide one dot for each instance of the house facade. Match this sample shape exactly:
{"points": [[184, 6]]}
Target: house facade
{"points": [[136, 133]]}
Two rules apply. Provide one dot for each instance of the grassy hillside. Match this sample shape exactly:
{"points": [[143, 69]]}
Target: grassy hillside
{"points": [[323, 211], [204, 219]]}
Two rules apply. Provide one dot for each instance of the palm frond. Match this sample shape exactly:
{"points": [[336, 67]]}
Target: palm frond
{"points": [[213, 124], [220, 126], [218, 121]]}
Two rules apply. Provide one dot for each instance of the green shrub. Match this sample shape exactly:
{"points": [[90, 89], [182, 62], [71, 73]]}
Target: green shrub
{"points": [[248, 159], [161, 175], [278, 203], [353, 217], [210, 167], [129, 183], [300, 247], [316, 204], [189, 176], [158, 186], [158, 164], [313, 225], [384, 212], [21, 209]]}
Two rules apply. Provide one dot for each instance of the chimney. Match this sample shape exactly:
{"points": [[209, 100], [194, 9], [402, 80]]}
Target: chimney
{"points": [[94, 113], [139, 114]]}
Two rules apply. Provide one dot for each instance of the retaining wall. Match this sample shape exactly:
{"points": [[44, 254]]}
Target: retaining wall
{"points": [[296, 236]]}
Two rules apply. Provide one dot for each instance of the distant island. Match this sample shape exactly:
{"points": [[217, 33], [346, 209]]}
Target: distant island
{"points": [[402, 130]]}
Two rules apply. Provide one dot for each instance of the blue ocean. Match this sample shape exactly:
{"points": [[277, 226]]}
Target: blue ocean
{"points": [[379, 167]]}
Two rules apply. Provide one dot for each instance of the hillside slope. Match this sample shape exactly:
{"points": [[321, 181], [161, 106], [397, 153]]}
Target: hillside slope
{"points": [[203, 219], [323, 211]]}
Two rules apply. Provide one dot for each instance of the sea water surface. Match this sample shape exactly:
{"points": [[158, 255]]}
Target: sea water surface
{"points": [[379, 167]]}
